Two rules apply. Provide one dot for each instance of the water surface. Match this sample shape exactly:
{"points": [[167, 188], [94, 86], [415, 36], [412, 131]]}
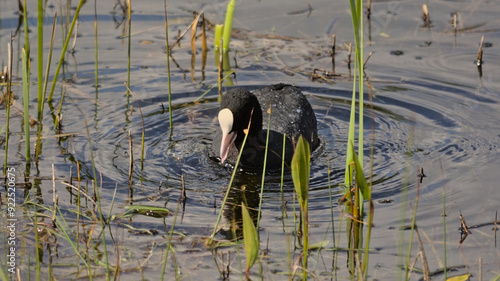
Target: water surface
{"points": [[432, 110]]}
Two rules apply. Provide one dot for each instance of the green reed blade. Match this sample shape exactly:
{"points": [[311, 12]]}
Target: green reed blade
{"points": [[250, 238], [40, 54], [300, 175], [168, 70], [96, 53], [41, 103], [26, 81], [26, 100], [362, 190], [8, 102], [219, 31], [228, 24], [26, 29], [300, 170], [444, 221], [102, 220], [65, 47], [357, 22], [264, 167], [360, 177], [129, 47], [235, 169], [47, 69], [283, 209]]}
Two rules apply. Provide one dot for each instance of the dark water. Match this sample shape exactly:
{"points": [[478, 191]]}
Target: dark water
{"points": [[432, 109]]}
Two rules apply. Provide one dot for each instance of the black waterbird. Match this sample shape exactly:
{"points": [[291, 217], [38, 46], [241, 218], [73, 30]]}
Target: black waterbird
{"points": [[242, 112]]}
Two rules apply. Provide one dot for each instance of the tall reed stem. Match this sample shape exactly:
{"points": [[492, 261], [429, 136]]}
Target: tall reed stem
{"points": [[65, 47], [26, 100], [40, 54], [168, 70], [129, 37], [228, 24]]}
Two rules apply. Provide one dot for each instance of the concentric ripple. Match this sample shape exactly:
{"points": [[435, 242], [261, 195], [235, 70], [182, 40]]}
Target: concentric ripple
{"points": [[405, 127]]}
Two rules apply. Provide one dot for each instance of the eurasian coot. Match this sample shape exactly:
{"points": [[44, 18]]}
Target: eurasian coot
{"points": [[291, 115]]}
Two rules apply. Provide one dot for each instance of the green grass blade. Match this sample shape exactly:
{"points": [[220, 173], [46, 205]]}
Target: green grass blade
{"points": [[300, 176], [300, 169], [40, 54], [65, 47], [102, 220], [152, 211], [26, 100], [228, 24], [357, 22], [283, 209], [361, 71], [360, 177], [444, 222], [350, 141], [26, 29], [129, 47], [41, 103], [250, 238], [8, 103], [47, 69], [96, 53], [219, 31], [264, 167], [169, 240], [235, 169], [168, 70]]}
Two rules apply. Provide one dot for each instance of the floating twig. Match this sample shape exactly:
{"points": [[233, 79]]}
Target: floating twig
{"points": [[71, 174], [178, 38], [464, 229], [204, 48], [368, 9], [425, 264], [308, 10], [169, 51], [325, 75], [80, 192], [334, 39], [94, 191], [72, 51], [54, 197], [221, 73], [463, 224], [131, 159], [59, 119], [426, 17], [183, 185], [194, 27], [454, 23], [349, 52], [367, 58], [182, 35], [479, 60], [421, 174], [496, 227], [480, 261], [183, 195]]}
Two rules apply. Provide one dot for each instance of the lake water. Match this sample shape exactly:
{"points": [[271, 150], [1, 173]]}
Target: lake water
{"points": [[433, 109]]}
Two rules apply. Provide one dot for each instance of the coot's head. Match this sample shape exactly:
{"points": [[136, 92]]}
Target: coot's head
{"points": [[238, 109]]}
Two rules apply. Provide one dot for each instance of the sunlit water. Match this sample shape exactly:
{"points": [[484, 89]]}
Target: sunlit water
{"points": [[431, 110]]}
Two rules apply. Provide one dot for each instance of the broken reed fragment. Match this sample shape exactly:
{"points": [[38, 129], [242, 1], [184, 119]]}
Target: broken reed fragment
{"points": [[426, 17], [479, 60]]}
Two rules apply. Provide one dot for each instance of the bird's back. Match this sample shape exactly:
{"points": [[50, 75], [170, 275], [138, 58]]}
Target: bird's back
{"points": [[291, 112]]}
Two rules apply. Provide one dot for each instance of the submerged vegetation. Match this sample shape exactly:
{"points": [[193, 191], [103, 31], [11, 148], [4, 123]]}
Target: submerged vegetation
{"points": [[91, 227]]}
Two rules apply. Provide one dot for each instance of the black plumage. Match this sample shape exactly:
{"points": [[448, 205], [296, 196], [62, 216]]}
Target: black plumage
{"points": [[291, 114]]}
